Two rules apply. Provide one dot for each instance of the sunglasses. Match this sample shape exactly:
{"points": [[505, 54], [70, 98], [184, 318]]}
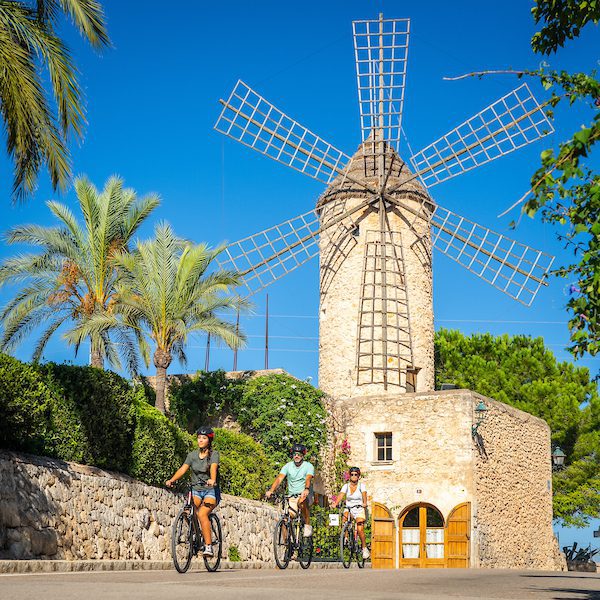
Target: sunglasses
{"points": [[297, 454], [354, 474]]}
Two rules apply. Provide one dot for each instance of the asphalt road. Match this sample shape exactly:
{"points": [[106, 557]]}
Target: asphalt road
{"points": [[414, 584]]}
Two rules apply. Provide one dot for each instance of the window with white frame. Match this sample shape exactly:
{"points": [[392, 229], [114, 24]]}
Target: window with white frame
{"points": [[383, 447]]}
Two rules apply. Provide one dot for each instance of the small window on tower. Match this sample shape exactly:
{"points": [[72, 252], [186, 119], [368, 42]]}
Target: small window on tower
{"points": [[383, 447], [356, 231]]}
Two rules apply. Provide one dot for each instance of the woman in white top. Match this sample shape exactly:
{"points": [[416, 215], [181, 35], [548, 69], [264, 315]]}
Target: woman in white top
{"points": [[355, 493]]}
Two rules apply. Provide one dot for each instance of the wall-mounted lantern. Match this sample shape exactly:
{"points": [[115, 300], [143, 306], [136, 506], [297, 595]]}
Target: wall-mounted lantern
{"points": [[558, 458], [481, 411]]}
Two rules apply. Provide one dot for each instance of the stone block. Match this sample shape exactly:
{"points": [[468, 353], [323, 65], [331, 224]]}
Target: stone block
{"points": [[10, 515]]}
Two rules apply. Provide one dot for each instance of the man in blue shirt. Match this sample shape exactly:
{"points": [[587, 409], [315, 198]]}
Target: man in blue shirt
{"points": [[299, 474]]}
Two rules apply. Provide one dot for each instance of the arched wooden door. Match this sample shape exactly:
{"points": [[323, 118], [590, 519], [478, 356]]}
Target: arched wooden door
{"points": [[383, 538], [458, 537], [421, 535]]}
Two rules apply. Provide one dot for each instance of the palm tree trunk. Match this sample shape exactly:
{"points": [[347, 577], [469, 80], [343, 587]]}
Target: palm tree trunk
{"points": [[96, 358], [162, 360]]}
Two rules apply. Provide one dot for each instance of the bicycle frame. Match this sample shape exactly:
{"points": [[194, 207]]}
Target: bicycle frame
{"points": [[295, 523], [190, 507]]}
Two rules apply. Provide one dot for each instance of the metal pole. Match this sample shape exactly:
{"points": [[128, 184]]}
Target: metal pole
{"points": [[267, 335], [237, 332], [207, 358]]}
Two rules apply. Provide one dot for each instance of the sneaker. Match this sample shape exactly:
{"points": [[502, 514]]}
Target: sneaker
{"points": [[366, 553], [208, 551], [308, 530]]}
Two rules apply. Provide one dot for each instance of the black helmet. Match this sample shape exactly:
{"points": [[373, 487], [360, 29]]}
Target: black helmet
{"points": [[298, 448], [207, 431], [354, 470]]}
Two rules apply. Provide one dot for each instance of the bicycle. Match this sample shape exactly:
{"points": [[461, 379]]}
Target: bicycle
{"points": [[288, 537], [187, 540], [350, 544]]}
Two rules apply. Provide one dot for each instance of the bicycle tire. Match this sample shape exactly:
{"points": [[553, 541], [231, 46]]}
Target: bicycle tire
{"points": [[212, 562], [181, 540], [305, 550], [282, 536], [346, 545]]}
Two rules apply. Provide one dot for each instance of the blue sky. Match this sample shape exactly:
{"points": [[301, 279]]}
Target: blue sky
{"points": [[152, 102]]}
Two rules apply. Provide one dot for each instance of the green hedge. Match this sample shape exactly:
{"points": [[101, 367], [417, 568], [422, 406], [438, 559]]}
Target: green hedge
{"points": [[159, 446], [245, 469], [279, 410], [26, 405], [199, 399], [276, 410], [93, 415]]}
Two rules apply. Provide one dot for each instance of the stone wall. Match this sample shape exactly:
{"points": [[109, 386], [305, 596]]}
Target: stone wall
{"points": [[513, 481], [57, 510]]}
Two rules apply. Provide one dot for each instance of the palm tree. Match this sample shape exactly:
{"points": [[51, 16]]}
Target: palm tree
{"points": [[74, 276], [167, 295], [36, 132]]}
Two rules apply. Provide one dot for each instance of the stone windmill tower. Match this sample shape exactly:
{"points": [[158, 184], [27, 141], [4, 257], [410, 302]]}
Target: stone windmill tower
{"points": [[376, 223]]}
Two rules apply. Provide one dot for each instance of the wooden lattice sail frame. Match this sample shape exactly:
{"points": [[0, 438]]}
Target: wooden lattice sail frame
{"points": [[376, 223]]}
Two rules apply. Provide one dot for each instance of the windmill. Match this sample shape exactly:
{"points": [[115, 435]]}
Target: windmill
{"points": [[376, 223]]}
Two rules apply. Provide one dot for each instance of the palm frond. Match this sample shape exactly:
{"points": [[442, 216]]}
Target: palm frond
{"points": [[87, 16], [32, 136], [48, 333]]}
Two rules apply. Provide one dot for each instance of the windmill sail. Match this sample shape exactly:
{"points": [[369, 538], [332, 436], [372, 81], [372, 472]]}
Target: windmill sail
{"points": [[514, 268], [250, 119], [381, 50], [509, 123], [267, 256]]}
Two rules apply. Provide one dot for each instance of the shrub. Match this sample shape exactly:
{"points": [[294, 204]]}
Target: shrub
{"points": [[245, 469], [159, 446], [92, 415], [234, 554], [201, 398], [25, 407], [280, 410]]}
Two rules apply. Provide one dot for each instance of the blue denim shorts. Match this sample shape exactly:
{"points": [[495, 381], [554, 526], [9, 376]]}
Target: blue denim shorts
{"points": [[214, 493]]}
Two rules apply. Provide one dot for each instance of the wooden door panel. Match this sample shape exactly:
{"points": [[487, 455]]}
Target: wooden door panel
{"points": [[383, 538], [458, 542]]}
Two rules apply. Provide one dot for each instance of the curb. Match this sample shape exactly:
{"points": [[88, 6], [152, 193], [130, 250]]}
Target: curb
{"points": [[81, 566]]}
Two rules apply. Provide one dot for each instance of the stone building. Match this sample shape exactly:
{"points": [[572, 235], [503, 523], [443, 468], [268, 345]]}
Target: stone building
{"points": [[445, 491]]}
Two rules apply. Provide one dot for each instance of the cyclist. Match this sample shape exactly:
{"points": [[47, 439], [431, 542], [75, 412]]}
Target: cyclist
{"points": [[204, 463], [355, 493], [299, 474]]}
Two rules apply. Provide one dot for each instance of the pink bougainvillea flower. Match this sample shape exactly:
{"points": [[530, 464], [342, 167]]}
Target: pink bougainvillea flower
{"points": [[346, 475], [346, 447]]}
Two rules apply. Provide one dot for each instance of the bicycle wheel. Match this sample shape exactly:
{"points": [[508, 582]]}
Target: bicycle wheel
{"points": [[181, 541], [346, 545], [212, 562], [281, 543], [305, 548]]}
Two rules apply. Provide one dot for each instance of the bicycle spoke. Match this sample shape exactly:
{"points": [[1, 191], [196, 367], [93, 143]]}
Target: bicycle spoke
{"points": [[281, 543], [181, 542], [346, 543], [212, 562], [305, 547]]}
